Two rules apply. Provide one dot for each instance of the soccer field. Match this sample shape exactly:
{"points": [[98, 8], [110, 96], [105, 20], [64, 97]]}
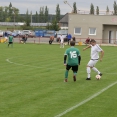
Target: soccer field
{"points": [[31, 83]]}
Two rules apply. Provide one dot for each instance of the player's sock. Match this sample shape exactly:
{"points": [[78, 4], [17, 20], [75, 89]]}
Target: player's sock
{"points": [[96, 70], [74, 76], [66, 74], [88, 72], [75, 73]]}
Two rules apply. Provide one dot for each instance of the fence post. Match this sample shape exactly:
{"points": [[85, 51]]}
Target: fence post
{"points": [[39, 40], [19, 40]]}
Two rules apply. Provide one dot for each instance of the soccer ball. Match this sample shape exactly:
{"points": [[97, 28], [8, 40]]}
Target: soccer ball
{"points": [[98, 77], [21, 41]]}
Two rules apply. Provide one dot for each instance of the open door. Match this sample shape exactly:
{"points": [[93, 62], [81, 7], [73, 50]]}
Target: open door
{"points": [[110, 36]]}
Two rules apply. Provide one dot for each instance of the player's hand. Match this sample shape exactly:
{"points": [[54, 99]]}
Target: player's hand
{"points": [[84, 49]]}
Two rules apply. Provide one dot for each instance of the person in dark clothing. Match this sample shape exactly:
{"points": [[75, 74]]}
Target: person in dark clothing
{"points": [[24, 39], [69, 38], [74, 39], [51, 39]]}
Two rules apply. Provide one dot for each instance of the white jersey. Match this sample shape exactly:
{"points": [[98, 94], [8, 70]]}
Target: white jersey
{"points": [[61, 38], [95, 51]]}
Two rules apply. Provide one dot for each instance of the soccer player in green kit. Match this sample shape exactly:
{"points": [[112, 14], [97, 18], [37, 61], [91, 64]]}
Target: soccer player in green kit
{"points": [[73, 60], [10, 40]]}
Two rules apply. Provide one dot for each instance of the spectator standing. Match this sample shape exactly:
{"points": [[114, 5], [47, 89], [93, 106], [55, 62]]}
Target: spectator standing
{"points": [[61, 41], [69, 38]]}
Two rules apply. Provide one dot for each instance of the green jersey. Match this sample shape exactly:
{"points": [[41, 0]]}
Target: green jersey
{"points": [[72, 54], [10, 38]]}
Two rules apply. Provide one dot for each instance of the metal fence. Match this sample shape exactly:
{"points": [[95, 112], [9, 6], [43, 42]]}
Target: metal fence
{"points": [[20, 23]]}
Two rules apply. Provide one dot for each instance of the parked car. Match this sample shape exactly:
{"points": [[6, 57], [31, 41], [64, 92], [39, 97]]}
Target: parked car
{"points": [[9, 32], [16, 33], [1, 33], [29, 33]]}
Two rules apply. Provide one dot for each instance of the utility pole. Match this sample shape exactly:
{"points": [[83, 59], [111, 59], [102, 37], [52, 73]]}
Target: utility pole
{"points": [[14, 16]]}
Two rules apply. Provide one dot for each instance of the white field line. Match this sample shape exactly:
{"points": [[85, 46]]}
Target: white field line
{"points": [[26, 65], [79, 104], [86, 100], [45, 66]]}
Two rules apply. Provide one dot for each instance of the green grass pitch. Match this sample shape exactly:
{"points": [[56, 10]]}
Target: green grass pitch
{"points": [[31, 83]]}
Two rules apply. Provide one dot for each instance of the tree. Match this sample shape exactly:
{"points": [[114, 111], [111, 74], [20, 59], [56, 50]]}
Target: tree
{"points": [[46, 14], [115, 8], [1, 13], [41, 15], [54, 25], [31, 17], [74, 8], [27, 19], [107, 9], [36, 17], [57, 13], [97, 10], [10, 12], [92, 9]]}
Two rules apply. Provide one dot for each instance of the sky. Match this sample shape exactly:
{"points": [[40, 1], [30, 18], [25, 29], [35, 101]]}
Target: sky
{"points": [[34, 5]]}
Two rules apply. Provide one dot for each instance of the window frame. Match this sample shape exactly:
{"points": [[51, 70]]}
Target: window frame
{"points": [[78, 33], [90, 30]]}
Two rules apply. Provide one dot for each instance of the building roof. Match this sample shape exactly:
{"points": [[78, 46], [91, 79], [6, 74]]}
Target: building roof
{"points": [[64, 19]]}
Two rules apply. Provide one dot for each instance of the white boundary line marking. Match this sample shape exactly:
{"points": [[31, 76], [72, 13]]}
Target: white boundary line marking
{"points": [[79, 104], [88, 99], [27, 65], [41, 67]]}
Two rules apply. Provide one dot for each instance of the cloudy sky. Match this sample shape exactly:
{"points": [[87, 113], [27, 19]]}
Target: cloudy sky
{"points": [[34, 5]]}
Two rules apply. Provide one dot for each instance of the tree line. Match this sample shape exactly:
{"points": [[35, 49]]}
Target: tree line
{"points": [[11, 14]]}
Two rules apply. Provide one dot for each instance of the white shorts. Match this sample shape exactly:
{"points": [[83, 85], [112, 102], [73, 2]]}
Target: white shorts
{"points": [[6, 38], [92, 63], [61, 42]]}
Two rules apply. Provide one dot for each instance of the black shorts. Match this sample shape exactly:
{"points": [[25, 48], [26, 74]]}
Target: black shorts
{"points": [[10, 42], [74, 68]]}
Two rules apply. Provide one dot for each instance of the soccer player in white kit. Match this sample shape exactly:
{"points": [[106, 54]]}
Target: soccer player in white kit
{"points": [[61, 41], [95, 49]]}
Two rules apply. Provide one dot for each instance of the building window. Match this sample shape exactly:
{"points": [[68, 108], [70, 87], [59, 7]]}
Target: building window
{"points": [[77, 31], [92, 31]]}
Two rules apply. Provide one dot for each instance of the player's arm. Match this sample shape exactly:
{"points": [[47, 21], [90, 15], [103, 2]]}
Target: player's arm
{"points": [[102, 54], [87, 47], [79, 59], [65, 58]]}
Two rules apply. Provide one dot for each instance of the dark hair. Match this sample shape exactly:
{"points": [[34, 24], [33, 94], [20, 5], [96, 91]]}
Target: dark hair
{"points": [[74, 39], [72, 43], [92, 40]]}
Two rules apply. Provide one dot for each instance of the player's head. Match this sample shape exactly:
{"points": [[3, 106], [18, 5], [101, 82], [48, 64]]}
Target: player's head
{"points": [[72, 43], [92, 42]]}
